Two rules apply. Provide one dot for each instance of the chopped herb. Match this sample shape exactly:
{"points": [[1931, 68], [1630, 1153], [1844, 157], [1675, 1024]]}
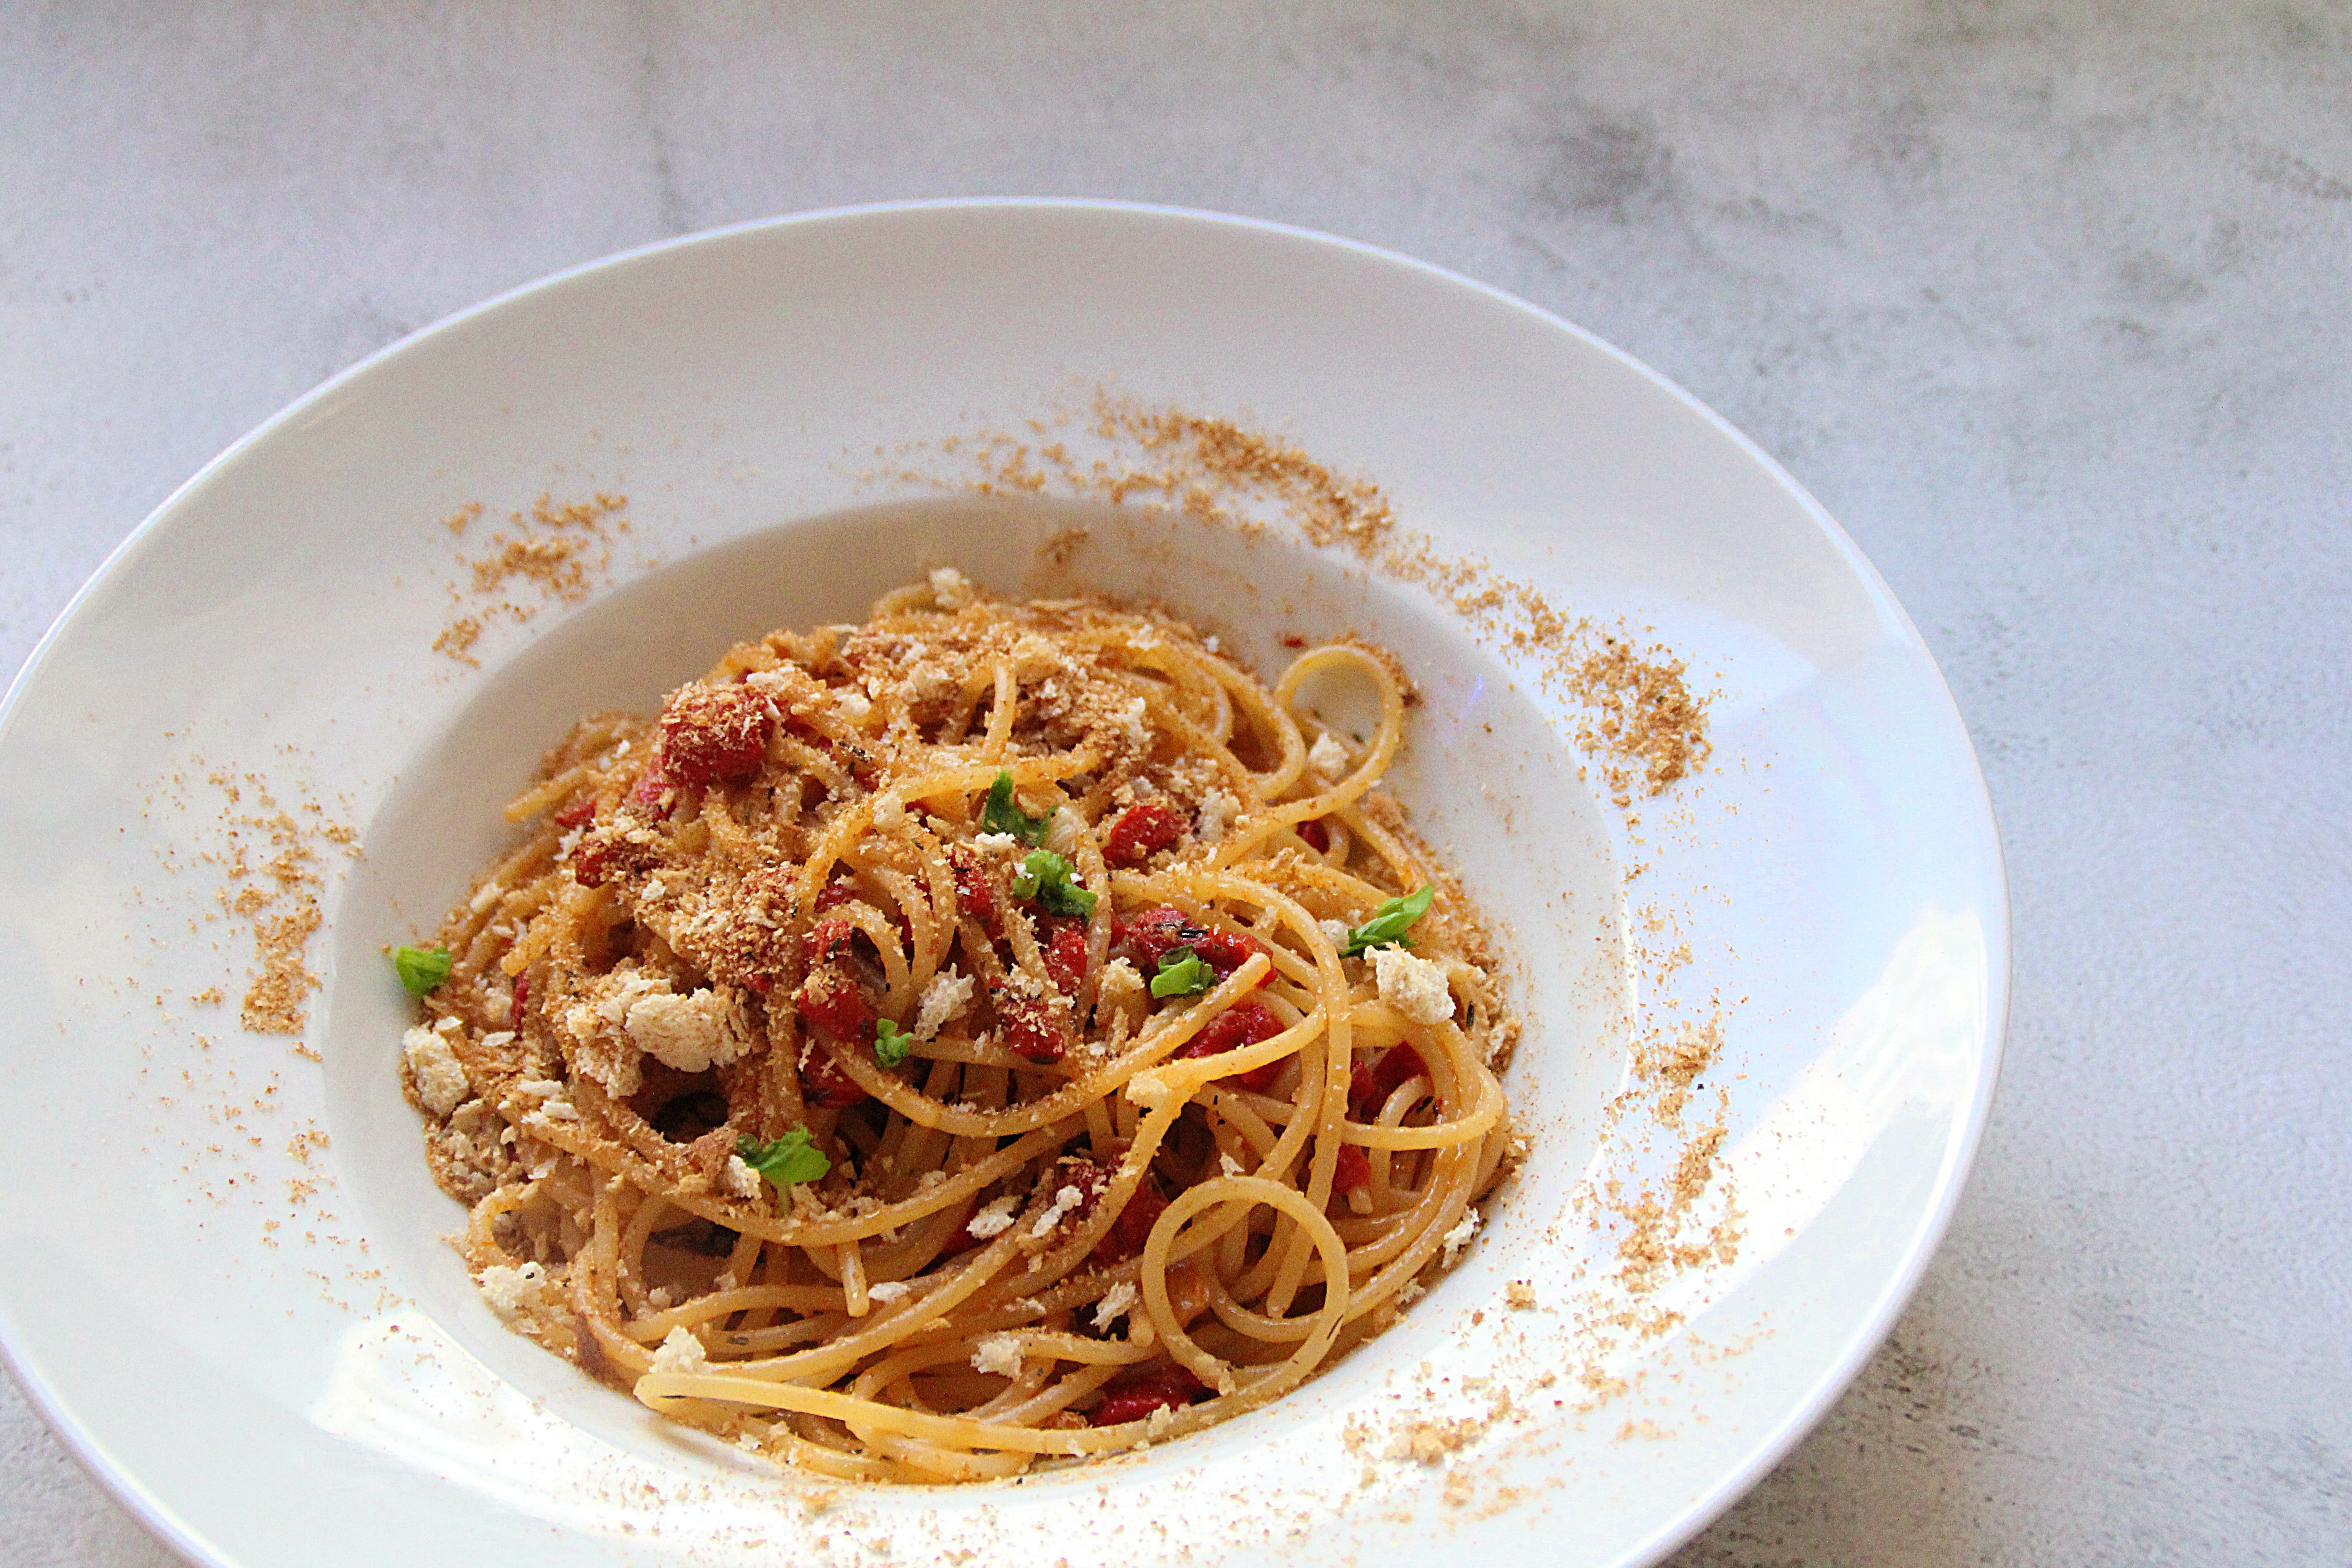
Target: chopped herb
{"points": [[787, 1161], [1182, 974], [421, 969], [1002, 816], [892, 1043], [1045, 876], [1389, 922]]}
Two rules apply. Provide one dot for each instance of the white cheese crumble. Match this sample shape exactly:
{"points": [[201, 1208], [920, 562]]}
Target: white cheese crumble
{"points": [[1158, 1423], [690, 1033], [440, 1081], [853, 705], [1217, 814], [947, 995], [1413, 986], [1065, 832], [1114, 1304], [1120, 982], [1034, 656], [1337, 933], [1459, 1236], [1330, 757], [1227, 1163], [738, 1180], [951, 589], [996, 841], [995, 1220], [1063, 1201], [680, 1352], [888, 1290], [509, 1289], [1132, 729], [999, 1353]]}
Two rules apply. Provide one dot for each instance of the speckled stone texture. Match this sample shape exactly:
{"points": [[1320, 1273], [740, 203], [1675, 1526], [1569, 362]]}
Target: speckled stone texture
{"points": [[2047, 304]]}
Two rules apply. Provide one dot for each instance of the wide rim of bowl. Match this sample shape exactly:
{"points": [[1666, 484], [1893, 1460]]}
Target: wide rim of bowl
{"points": [[90, 1451]]}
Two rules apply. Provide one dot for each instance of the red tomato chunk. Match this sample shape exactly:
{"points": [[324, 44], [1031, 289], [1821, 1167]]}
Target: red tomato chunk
{"points": [[714, 735], [1232, 1029], [1156, 932], [1370, 1086], [1032, 1027], [1166, 1387], [975, 897], [831, 999], [651, 786], [1143, 831], [823, 1083], [1065, 954]]}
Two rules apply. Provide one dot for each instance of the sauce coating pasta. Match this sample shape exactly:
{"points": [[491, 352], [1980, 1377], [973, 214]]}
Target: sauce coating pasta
{"points": [[991, 1033]]}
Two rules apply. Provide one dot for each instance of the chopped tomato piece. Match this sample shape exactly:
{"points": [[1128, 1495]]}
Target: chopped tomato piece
{"points": [[1065, 953], [1370, 1086], [1143, 831], [1158, 931], [592, 863], [1226, 951], [840, 890], [1034, 1027], [578, 814], [823, 1083], [601, 856], [1132, 1228], [1135, 1395], [714, 735], [521, 1004], [1317, 836], [651, 786], [975, 895], [828, 938], [1155, 932], [832, 999], [1353, 1170], [1230, 1030]]}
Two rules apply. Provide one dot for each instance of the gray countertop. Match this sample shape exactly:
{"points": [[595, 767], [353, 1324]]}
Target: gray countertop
{"points": [[2046, 304]]}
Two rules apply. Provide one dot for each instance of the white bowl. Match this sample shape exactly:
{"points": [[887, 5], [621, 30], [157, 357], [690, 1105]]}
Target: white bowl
{"points": [[260, 1344]]}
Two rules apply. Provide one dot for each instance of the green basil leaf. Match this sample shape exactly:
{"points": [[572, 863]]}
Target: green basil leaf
{"points": [[786, 1161], [1001, 814], [1389, 922], [892, 1043], [421, 969], [1047, 878], [1182, 974]]}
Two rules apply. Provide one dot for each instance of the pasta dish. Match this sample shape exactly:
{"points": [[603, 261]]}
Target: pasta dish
{"points": [[992, 1033]]}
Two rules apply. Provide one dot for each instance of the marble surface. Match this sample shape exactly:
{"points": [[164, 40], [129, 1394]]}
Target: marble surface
{"points": [[2047, 304]]}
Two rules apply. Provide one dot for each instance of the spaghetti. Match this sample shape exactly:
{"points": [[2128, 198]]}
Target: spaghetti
{"points": [[989, 1033]]}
